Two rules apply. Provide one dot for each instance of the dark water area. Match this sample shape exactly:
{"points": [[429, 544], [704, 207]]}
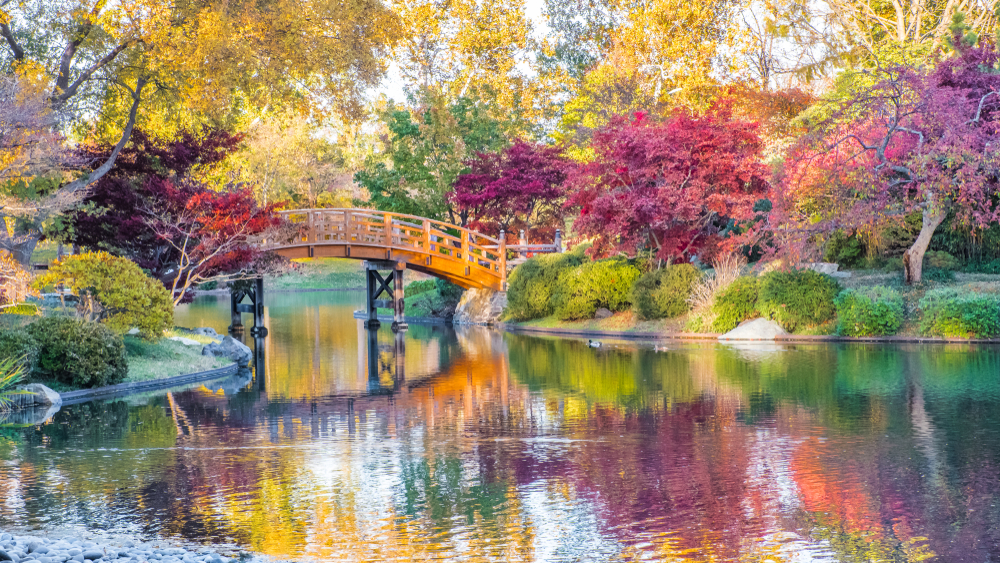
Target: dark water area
{"points": [[474, 445]]}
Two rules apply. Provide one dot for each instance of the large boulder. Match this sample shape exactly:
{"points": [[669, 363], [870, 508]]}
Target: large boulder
{"points": [[35, 395], [230, 348], [480, 307], [757, 329]]}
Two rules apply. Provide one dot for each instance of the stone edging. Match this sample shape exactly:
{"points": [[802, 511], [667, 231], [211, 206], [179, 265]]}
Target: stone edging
{"points": [[84, 395], [789, 338]]}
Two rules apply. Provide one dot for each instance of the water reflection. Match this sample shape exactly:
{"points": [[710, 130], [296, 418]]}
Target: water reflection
{"points": [[476, 446]]}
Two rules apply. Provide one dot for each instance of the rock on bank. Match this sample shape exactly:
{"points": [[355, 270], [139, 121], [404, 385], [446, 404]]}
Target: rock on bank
{"points": [[24, 549], [480, 307]]}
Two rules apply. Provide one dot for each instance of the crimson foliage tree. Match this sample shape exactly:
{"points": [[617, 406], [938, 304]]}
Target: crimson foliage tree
{"points": [[916, 140], [521, 186], [150, 209], [675, 187]]}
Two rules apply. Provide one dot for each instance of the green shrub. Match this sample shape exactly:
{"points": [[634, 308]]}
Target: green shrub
{"points": [[846, 249], [953, 312], [735, 304], [989, 267], [113, 291], [530, 287], [663, 293], [448, 290], [416, 288], [876, 311], [940, 260], [78, 353], [605, 283], [439, 301], [18, 344], [798, 298]]}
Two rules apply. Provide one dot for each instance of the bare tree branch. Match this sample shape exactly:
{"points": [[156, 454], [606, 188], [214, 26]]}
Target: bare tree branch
{"points": [[103, 169]]}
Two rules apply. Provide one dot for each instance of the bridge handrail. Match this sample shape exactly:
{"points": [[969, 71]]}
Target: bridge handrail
{"points": [[373, 213], [402, 232], [407, 233]]}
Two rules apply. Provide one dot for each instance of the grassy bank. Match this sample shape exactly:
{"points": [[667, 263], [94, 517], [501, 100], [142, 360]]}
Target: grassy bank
{"points": [[628, 321], [167, 358]]}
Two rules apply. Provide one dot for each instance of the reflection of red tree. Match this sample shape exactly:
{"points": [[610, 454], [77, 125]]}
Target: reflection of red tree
{"points": [[836, 489]]}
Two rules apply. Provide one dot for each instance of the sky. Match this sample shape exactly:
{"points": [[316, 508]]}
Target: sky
{"points": [[392, 84]]}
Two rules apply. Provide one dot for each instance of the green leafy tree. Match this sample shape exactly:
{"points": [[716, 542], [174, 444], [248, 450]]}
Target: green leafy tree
{"points": [[427, 148]]}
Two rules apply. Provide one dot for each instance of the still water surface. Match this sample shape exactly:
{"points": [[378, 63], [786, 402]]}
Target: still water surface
{"points": [[472, 445]]}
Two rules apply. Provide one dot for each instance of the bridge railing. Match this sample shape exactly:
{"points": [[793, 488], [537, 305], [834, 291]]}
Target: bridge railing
{"points": [[397, 231]]}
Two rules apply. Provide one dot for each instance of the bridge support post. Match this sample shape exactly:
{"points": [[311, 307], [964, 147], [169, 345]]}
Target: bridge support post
{"points": [[236, 318], [398, 298], [391, 286], [256, 306]]}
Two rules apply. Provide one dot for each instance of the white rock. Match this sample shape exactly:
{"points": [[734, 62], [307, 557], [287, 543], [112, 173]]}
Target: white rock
{"points": [[185, 341], [36, 394], [828, 268], [757, 329]]}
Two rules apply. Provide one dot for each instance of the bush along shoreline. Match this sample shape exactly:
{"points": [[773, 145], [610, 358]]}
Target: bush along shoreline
{"points": [[570, 292], [110, 324]]}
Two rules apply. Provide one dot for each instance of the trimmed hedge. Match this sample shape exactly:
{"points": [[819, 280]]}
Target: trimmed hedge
{"points": [[876, 311], [605, 283], [663, 293], [798, 298], [531, 286], [952, 312], [78, 353], [735, 304]]}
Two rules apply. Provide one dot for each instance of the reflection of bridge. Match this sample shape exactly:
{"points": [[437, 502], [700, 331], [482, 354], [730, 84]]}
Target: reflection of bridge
{"points": [[395, 242]]}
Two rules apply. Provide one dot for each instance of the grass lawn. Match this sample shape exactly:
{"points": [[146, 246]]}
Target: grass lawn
{"points": [[167, 358]]}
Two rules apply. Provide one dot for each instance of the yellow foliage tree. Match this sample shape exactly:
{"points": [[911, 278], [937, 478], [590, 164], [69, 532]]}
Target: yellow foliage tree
{"points": [[113, 291], [184, 61]]}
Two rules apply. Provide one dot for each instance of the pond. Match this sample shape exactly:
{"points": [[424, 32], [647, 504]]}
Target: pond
{"points": [[475, 445]]}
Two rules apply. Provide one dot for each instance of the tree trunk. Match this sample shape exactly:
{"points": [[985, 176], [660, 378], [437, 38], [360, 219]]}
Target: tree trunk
{"points": [[913, 258], [21, 247]]}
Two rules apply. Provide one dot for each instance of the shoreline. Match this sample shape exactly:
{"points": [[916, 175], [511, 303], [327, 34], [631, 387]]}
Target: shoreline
{"points": [[703, 336], [125, 389]]}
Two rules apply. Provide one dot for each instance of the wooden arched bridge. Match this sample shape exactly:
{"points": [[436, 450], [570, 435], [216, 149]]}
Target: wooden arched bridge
{"points": [[396, 242]]}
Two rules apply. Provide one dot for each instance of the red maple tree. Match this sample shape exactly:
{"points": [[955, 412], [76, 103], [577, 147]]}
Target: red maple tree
{"points": [[520, 186], [916, 140], [151, 209], [676, 187]]}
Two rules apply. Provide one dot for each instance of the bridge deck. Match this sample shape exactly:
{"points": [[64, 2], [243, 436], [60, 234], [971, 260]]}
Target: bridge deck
{"points": [[462, 256]]}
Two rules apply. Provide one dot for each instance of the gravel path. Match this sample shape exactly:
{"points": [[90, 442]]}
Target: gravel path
{"points": [[25, 549]]}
